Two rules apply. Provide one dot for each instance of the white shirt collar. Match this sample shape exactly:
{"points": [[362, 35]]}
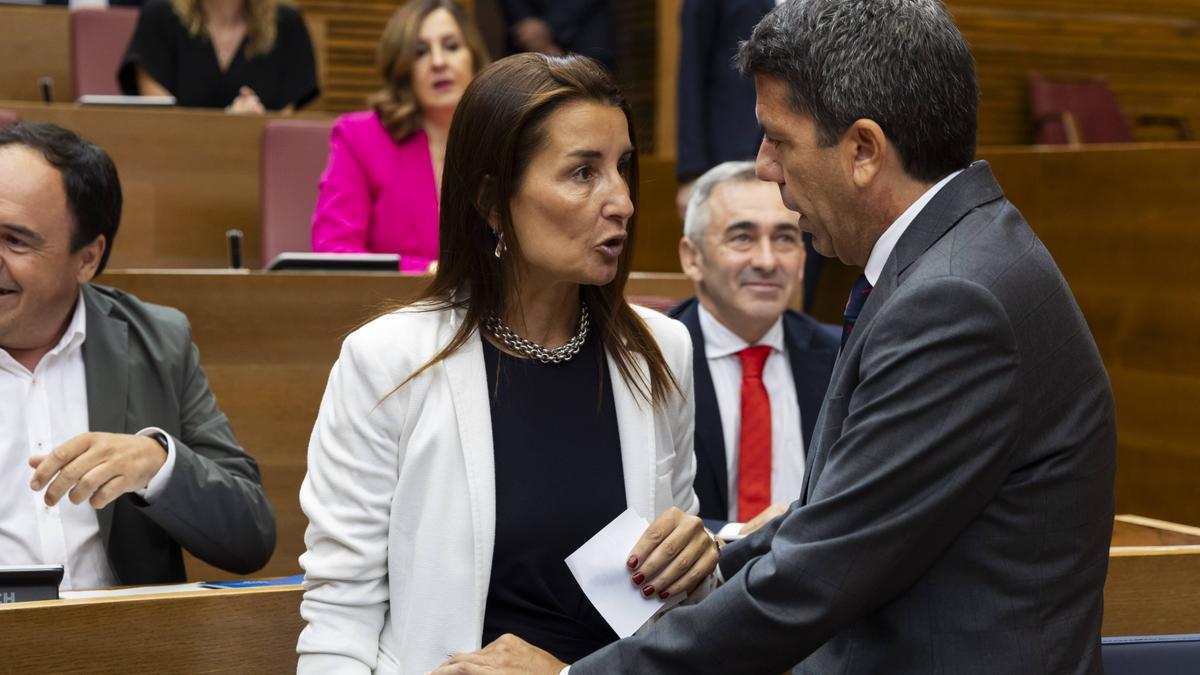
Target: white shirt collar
{"points": [[72, 338], [887, 241], [720, 342], [76, 331]]}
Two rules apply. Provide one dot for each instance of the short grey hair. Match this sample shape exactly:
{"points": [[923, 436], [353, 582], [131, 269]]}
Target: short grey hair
{"points": [[699, 215], [901, 63]]}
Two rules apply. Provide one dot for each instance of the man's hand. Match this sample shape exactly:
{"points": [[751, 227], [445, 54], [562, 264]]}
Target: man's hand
{"points": [[761, 519], [507, 654], [673, 555], [97, 467]]}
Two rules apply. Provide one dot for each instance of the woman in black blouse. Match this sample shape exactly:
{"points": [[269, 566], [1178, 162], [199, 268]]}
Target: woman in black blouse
{"points": [[247, 56]]}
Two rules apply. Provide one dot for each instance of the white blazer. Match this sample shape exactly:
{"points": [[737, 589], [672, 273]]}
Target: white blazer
{"points": [[401, 496]]}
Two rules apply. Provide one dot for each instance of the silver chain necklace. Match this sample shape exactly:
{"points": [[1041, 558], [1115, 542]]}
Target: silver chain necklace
{"points": [[533, 350]]}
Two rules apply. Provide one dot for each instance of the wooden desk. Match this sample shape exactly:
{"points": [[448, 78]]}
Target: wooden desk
{"points": [[1153, 569], [35, 45], [187, 176], [207, 631], [1149, 590], [267, 342]]}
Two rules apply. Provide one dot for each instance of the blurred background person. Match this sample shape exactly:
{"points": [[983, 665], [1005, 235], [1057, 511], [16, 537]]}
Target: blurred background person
{"points": [[247, 56], [761, 369], [469, 442], [715, 107], [558, 27], [379, 192]]}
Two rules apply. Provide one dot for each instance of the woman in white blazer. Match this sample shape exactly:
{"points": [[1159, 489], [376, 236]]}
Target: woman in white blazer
{"points": [[469, 441]]}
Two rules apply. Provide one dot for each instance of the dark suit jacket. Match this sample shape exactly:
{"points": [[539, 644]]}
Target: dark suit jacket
{"points": [[143, 370], [715, 104], [811, 347], [586, 27], [959, 496]]}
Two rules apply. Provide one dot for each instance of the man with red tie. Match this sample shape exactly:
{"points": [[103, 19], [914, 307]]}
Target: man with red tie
{"points": [[761, 369]]}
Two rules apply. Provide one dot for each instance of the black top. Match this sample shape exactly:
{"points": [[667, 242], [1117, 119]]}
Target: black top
{"points": [[558, 482], [187, 66]]}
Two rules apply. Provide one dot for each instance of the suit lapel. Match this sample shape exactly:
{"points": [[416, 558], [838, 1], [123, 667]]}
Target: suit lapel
{"points": [[974, 187], [810, 370], [467, 374], [106, 370], [709, 434]]}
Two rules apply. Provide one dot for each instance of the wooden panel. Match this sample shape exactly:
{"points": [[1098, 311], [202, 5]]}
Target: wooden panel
{"points": [[34, 45], [1149, 51], [267, 342], [1152, 591], [1129, 530], [187, 176], [1122, 224], [243, 631]]}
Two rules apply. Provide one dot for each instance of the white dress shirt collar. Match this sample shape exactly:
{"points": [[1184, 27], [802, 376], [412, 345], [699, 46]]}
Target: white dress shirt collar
{"points": [[887, 241], [719, 341], [71, 340]]}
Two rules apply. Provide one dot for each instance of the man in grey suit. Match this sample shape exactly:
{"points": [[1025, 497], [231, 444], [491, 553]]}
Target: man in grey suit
{"points": [[107, 414], [958, 502]]}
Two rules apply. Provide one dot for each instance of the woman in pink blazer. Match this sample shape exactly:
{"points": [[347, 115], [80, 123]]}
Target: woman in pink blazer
{"points": [[379, 192]]}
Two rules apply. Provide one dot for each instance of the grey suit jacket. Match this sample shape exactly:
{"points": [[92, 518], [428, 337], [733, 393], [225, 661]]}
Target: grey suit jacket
{"points": [[143, 370], [959, 498]]}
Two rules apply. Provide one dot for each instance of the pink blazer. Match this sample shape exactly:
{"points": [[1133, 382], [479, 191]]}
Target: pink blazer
{"points": [[376, 195]]}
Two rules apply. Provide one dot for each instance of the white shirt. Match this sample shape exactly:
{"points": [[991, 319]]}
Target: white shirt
{"points": [[887, 241], [721, 347], [41, 411]]}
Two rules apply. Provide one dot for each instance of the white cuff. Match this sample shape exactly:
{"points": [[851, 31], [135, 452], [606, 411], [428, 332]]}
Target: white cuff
{"points": [[159, 481], [564, 670], [731, 531]]}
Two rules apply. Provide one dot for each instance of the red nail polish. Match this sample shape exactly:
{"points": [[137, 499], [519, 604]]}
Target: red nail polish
{"points": [[638, 579], [648, 591], [632, 562], [664, 595]]}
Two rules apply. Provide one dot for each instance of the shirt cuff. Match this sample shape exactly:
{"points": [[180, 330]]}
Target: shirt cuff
{"points": [[564, 671], [159, 481], [730, 531]]}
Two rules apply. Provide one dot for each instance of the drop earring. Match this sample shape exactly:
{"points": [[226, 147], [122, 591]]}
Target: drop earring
{"points": [[500, 247]]}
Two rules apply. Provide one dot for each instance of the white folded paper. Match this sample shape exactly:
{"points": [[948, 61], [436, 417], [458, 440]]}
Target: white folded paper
{"points": [[599, 567]]}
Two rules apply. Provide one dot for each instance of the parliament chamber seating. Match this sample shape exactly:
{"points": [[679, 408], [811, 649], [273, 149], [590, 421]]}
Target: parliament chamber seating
{"points": [[293, 158], [98, 39]]}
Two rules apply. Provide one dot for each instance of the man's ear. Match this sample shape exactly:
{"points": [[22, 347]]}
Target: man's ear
{"points": [[691, 259], [89, 258], [866, 147]]}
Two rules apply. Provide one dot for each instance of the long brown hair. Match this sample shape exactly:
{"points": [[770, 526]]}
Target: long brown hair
{"points": [[497, 128], [260, 22], [395, 103]]}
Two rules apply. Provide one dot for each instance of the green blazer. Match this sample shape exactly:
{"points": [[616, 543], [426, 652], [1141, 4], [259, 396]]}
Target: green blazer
{"points": [[143, 370]]}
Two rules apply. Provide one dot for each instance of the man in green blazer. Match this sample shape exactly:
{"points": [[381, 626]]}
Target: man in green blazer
{"points": [[113, 452]]}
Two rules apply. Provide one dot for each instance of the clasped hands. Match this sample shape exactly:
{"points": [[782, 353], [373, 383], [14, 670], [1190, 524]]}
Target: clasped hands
{"points": [[672, 556], [97, 468]]}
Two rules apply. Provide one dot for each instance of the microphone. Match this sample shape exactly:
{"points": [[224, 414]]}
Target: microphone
{"points": [[46, 84], [235, 248]]}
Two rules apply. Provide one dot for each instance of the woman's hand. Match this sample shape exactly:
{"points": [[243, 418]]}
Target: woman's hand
{"points": [[673, 555], [246, 103]]}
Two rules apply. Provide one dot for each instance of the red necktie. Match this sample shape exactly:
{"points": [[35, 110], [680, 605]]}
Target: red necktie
{"points": [[754, 449]]}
